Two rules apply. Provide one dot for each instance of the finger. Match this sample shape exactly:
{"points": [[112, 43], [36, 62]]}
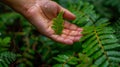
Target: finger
{"points": [[77, 38], [64, 36], [61, 39], [70, 37], [70, 26], [67, 37], [67, 14], [72, 33], [73, 38], [75, 33], [80, 29], [66, 31]]}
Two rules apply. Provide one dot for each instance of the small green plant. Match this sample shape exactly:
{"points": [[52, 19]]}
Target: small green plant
{"points": [[58, 23]]}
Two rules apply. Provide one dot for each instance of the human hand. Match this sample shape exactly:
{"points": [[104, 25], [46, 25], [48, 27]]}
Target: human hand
{"points": [[41, 13]]}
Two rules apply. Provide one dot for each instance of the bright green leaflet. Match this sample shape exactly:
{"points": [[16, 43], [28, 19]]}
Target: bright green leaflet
{"points": [[58, 23]]}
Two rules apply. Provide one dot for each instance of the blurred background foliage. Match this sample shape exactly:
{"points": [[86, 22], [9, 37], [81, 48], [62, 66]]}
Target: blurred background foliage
{"points": [[21, 45]]}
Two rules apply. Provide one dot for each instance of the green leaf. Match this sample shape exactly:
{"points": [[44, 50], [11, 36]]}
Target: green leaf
{"points": [[58, 23], [90, 42], [101, 21], [113, 53], [108, 41], [107, 36], [97, 54], [84, 58], [6, 58], [72, 61], [61, 58], [114, 59], [93, 50], [100, 60], [111, 46], [6, 40], [105, 64], [90, 46]]}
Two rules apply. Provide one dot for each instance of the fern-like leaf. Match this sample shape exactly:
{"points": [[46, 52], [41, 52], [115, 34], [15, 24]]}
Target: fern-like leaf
{"points": [[99, 41], [4, 44], [6, 58], [58, 23]]}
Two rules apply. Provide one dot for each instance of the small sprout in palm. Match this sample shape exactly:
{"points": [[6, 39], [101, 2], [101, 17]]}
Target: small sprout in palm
{"points": [[58, 23]]}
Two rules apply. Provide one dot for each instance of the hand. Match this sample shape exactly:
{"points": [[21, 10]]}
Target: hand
{"points": [[41, 13]]}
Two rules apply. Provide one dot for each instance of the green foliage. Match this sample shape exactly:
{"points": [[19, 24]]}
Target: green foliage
{"points": [[99, 47], [6, 58], [68, 61], [114, 3], [107, 8], [58, 23], [4, 44], [99, 41], [85, 61], [117, 28]]}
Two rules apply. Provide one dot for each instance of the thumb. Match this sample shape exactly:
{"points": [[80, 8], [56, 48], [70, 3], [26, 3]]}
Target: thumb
{"points": [[51, 9]]}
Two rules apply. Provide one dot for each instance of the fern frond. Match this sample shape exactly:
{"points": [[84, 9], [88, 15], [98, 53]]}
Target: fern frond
{"points": [[99, 38], [99, 41], [101, 46], [4, 44], [6, 58], [58, 23], [116, 26], [67, 61]]}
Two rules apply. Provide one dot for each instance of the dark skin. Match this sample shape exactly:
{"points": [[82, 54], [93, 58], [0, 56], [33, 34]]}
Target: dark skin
{"points": [[41, 13]]}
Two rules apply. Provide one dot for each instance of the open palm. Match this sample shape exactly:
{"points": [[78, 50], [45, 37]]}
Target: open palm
{"points": [[41, 15]]}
